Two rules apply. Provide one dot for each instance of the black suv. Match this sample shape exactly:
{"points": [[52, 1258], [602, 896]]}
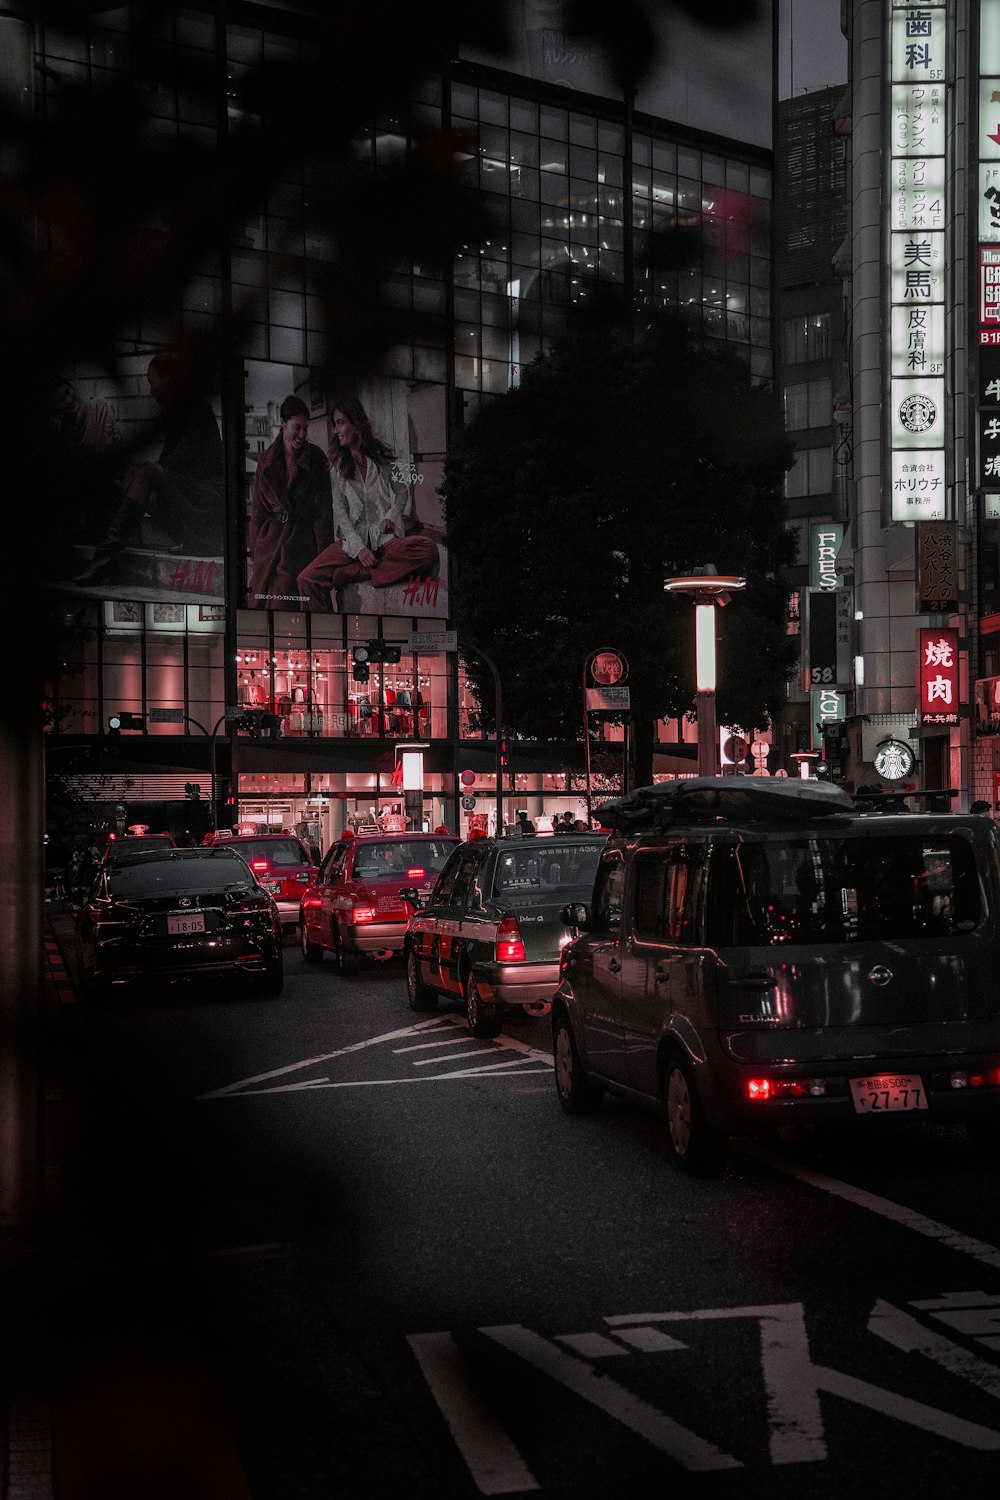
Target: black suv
{"points": [[758, 953]]}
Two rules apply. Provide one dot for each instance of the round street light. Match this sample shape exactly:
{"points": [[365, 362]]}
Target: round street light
{"points": [[707, 588]]}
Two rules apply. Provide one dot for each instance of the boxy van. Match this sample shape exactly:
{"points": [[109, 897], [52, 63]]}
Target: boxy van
{"points": [[759, 954]]}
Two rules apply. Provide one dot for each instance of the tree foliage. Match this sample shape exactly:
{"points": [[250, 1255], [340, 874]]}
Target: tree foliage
{"points": [[570, 499]]}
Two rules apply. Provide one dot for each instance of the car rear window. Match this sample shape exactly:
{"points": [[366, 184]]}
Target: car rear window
{"points": [[136, 845], [279, 853], [391, 859], [150, 877], [827, 889], [565, 870]]}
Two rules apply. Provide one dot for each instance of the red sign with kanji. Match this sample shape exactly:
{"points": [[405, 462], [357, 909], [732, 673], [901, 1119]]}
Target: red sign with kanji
{"points": [[937, 676]]}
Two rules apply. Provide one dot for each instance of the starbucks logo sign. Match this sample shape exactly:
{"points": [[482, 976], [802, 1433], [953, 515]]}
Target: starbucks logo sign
{"points": [[893, 760], [917, 413]]}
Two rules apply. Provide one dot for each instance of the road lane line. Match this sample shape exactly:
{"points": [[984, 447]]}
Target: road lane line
{"points": [[313, 1062], [689, 1450], [963, 1244], [429, 1062], [495, 1464], [454, 1041]]}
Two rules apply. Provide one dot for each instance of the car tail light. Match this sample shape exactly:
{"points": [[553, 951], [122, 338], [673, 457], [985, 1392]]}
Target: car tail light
{"points": [[784, 1088], [416, 872], [259, 866], [510, 949], [361, 914]]}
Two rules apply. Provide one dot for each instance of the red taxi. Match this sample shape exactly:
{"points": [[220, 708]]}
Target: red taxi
{"points": [[354, 909], [280, 861]]}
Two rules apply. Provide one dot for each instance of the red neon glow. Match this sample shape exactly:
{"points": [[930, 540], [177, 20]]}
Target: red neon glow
{"points": [[510, 948]]}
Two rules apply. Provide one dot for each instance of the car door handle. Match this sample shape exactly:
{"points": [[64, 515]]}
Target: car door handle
{"points": [[614, 967], [753, 982]]}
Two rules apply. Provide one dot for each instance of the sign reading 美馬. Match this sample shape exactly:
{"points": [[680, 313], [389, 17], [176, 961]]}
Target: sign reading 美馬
{"points": [[917, 224]]}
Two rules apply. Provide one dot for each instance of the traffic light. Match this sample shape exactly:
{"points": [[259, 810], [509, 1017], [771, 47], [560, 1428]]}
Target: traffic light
{"points": [[118, 722], [255, 720], [502, 752], [379, 651], [834, 743], [360, 656]]}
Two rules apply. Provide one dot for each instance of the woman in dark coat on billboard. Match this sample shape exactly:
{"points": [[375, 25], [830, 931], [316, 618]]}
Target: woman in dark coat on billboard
{"points": [[290, 519]]}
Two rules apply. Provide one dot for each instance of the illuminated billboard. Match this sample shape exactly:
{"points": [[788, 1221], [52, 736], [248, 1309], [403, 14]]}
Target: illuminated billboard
{"points": [[342, 507], [142, 453]]}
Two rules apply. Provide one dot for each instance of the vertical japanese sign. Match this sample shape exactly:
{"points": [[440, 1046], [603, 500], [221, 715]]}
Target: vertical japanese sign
{"points": [[829, 637], [917, 222], [828, 707], [937, 567], [937, 677], [988, 371]]}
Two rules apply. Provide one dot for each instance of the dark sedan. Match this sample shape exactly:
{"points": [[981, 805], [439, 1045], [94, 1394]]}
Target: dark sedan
{"points": [[173, 914]]}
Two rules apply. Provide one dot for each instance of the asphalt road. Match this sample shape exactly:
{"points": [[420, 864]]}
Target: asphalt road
{"points": [[384, 1260]]}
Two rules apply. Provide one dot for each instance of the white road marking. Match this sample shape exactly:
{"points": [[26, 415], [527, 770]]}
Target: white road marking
{"points": [[793, 1384], [496, 1466], [452, 1041], [964, 1244], [689, 1450], [441, 1028], [904, 1332]]}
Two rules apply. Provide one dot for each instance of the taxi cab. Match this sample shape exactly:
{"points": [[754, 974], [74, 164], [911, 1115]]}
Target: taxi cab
{"points": [[354, 907], [280, 861], [491, 932]]}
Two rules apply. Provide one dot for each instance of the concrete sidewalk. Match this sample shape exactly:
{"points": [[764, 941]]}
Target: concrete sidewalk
{"points": [[98, 1403]]}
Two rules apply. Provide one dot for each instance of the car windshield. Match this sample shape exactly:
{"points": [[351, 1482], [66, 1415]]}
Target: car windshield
{"points": [[828, 889], [156, 877], [279, 853], [393, 859], [560, 871], [135, 845]]}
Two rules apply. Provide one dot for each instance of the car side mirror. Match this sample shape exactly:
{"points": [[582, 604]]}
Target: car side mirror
{"points": [[575, 914], [411, 896]]}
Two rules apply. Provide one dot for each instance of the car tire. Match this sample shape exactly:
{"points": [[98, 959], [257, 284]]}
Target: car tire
{"points": [[485, 1018], [311, 952], [347, 964], [694, 1144], [419, 994], [272, 981], [577, 1094]]}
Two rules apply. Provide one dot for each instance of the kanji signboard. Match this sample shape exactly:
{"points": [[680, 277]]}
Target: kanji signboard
{"points": [[937, 677]]}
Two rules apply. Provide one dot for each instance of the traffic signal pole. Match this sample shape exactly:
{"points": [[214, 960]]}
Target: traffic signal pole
{"points": [[470, 646]]}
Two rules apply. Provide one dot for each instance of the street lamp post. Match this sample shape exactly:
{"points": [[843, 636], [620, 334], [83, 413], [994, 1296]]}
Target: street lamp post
{"points": [[707, 587]]}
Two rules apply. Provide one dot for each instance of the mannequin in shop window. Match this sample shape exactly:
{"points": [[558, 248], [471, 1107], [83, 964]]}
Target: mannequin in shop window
{"points": [[252, 692]]}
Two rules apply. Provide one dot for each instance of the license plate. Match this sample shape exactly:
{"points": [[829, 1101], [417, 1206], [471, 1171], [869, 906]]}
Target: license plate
{"points": [[180, 926], [274, 886], [887, 1092]]}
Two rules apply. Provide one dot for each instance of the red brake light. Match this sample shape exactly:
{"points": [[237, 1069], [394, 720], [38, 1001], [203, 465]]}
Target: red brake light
{"points": [[362, 914], [784, 1088], [510, 948], [258, 865], [415, 873]]}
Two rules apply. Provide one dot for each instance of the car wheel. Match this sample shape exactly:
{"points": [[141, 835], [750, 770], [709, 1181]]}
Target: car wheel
{"points": [[272, 981], [577, 1095], [694, 1144], [311, 952], [347, 964], [484, 1016], [420, 995]]}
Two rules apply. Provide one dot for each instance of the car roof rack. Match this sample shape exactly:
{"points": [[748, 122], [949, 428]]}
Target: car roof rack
{"points": [[738, 799]]}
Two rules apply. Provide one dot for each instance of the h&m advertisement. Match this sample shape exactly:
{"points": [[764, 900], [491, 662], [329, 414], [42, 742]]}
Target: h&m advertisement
{"points": [[142, 454], [343, 514]]}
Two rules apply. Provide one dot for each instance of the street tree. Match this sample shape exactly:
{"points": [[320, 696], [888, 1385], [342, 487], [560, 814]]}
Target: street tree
{"points": [[617, 463]]}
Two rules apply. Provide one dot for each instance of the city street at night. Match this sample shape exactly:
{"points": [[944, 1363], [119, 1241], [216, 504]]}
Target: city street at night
{"points": [[364, 1253]]}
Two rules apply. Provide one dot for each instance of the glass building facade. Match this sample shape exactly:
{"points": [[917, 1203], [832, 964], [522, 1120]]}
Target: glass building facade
{"points": [[573, 187]]}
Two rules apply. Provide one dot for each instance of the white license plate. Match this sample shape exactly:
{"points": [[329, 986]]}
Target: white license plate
{"points": [[886, 1092], [180, 926], [274, 886]]}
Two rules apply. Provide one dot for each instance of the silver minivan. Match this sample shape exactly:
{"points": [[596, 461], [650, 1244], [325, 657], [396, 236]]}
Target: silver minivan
{"points": [[759, 954]]}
